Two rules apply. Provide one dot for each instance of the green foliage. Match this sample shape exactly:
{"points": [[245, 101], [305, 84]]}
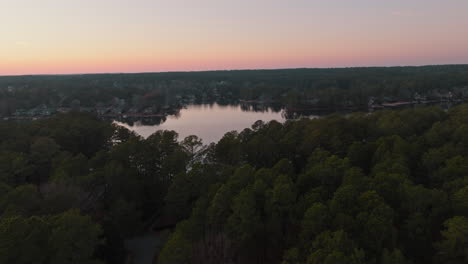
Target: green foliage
{"points": [[64, 238], [334, 194], [78, 133], [73, 238], [316, 219], [393, 257], [460, 201], [176, 250], [23, 200], [387, 187], [453, 247], [333, 248], [228, 149]]}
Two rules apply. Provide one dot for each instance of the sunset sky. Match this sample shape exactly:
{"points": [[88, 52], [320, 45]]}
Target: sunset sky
{"points": [[89, 36]]}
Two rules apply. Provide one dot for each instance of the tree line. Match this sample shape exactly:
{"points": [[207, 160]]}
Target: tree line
{"points": [[326, 88]]}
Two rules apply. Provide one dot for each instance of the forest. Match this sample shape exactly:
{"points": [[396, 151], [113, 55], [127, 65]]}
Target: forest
{"points": [[353, 88], [378, 188]]}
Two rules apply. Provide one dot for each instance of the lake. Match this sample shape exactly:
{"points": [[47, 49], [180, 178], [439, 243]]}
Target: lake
{"points": [[209, 121]]}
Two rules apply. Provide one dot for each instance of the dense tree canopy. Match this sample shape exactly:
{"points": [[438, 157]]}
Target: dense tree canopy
{"points": [[322, 88], [386, 187]]}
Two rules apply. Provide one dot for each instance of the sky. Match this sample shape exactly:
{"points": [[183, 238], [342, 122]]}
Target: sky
{"points": [[100, 36]]}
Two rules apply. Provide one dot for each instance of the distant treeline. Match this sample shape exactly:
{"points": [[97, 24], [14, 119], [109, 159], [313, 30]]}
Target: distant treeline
{"points": [[346, 87], [386, 187]]}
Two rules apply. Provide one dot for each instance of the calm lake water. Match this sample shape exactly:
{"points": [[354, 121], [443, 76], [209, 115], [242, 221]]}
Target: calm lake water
{"points": [[209, 122]]}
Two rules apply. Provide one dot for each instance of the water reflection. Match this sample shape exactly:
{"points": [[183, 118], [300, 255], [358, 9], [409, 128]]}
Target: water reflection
{"points": [[211, 121], [208, 121]]}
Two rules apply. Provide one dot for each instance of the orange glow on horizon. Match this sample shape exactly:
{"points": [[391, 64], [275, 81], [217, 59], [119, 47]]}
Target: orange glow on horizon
{"points": [[64, 37]]}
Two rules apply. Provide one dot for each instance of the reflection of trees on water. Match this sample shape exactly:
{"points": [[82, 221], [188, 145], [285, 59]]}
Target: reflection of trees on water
{"points": [[142, 121], [175, 113], [286, 113], [289, 113], [262, 108], [148, 120]]}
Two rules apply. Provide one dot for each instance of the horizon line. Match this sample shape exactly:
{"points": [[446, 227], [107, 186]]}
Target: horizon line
{"points": [[233, 70]]}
